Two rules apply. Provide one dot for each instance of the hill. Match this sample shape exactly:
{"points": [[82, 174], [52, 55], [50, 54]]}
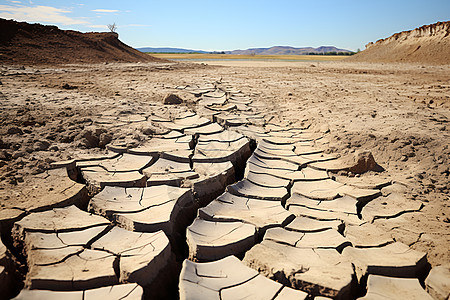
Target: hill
{"points": [[429, 44], [286, 50], [169, 50], [29, 44]]}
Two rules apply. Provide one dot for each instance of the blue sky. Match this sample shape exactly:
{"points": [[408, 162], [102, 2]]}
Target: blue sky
{"points": [[234, 24]]}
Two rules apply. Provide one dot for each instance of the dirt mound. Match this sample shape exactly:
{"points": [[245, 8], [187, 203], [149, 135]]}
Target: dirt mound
{"points": [[429, 44], [29, 44]]}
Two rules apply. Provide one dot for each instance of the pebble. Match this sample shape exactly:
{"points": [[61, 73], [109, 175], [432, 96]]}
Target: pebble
{"points": [[41, 145], [53, 148], [14, 130], [18, 154]]}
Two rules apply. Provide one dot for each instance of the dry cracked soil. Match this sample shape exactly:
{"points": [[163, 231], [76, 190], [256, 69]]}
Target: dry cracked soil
{"points": [[225, 180]]}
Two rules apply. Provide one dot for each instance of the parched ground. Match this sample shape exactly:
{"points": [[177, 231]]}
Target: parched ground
{"points": [[399, 112]]}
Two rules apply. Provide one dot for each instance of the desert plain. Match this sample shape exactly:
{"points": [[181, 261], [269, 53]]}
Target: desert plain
{"points": [[397, 112]]}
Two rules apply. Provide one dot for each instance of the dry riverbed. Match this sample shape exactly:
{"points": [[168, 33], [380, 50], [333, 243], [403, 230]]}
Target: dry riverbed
{"points": [[398, 112]]}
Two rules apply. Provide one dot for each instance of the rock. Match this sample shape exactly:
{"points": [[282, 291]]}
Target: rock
{"points": [[5, 155], [14, 130], [104, 139], [91, 138], [41, 145], [364, 162], [361, 162], [172, 99], [438, 282], [150, 128], [380, 287], [67, 86], [18, 154]]}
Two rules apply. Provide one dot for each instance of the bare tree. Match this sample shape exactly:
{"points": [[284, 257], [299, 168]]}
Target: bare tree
{"points": [[112, 27]]}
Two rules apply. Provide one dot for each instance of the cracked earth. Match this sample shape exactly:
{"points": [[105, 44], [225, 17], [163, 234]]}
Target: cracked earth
{"points": [[291, 181]]}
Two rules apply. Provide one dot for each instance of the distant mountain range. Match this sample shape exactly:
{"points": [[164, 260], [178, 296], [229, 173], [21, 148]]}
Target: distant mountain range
{"points": [[276, 50], [286, 50]]}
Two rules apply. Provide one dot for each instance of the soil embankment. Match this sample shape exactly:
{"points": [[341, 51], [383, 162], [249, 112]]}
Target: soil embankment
{"points": [[31, 44], [429, 44]]}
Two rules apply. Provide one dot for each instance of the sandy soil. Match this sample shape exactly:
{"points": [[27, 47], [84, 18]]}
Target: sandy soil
{"points": [[398, 112]]}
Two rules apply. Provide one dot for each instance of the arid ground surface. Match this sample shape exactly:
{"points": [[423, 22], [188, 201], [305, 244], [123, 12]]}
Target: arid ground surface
{"points": [[398, 112]]}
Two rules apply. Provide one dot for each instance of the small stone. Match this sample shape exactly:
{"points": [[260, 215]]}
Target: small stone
{"points": [[5, 155], [67, 86], [364, 162], [172, 99], [88, 139], [14, 130], [105, 138], [53, 148], [18, 154], [41, 145]]}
